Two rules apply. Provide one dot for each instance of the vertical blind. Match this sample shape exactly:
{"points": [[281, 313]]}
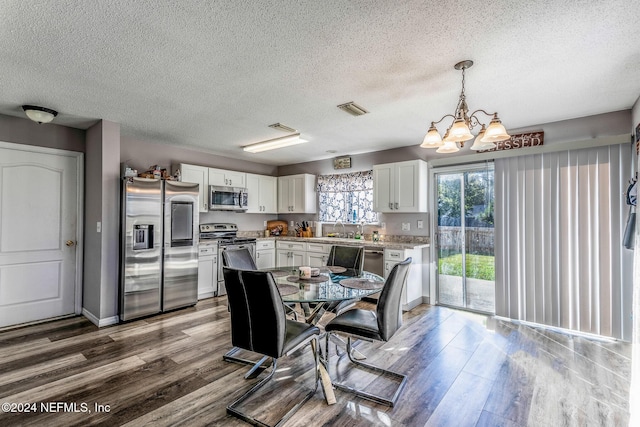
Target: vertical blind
{"points": [[560, 259]]}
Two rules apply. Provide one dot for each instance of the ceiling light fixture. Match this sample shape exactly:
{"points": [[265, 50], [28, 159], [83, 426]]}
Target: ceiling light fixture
{"points": [[353, 109], [39, 114], [460, 130], [275, 143], [283, 128]]}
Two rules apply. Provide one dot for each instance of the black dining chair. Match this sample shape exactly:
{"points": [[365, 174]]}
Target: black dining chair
{"points": [[349, 257], [378, 325], [259, 324], [239, 258]]}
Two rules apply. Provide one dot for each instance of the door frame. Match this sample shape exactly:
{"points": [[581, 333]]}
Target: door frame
{"points": [[433, 203], [79, 158]]}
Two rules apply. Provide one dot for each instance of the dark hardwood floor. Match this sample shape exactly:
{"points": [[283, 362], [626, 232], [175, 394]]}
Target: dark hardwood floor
{"points": [[464, 370]]}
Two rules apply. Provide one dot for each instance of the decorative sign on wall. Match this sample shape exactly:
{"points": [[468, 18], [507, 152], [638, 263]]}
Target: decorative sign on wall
{"points": [[343, 162], [520, 140]]}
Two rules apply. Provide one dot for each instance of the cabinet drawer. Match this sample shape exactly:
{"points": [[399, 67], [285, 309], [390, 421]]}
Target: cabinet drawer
{"points": [[319, 247], [265, 244], [394, 254], [293, 246]]}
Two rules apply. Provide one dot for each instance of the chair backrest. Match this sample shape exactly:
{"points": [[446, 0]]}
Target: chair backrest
{"points": [[388, 308], [258, 321], [240, 259], [347, 257]]}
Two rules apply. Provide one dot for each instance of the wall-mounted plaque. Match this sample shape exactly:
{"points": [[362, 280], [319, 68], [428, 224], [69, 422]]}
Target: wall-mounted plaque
{"points": [[520, 140], [343, 162]]}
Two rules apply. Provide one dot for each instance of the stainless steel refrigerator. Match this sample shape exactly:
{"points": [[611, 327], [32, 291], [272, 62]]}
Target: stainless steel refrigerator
{"points": [[159, 246]]}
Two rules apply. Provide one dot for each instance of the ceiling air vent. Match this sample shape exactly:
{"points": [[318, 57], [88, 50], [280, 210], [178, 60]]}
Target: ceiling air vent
{"points": [[353, 109], [283, 128]]}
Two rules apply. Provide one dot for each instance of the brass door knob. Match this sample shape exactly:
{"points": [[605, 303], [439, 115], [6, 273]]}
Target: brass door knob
{"points": [[70, 243]]}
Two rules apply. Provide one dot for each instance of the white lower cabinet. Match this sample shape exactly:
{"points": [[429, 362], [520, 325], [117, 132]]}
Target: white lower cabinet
{"points": [[413, 290], [207, 269], [317, 254], [265, 254], [290, 254]]}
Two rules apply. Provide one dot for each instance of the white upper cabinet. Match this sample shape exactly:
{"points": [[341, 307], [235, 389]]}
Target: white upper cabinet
{"points": [[199, 175], [227, 178], [297, 194], [262, 191], [400, 187]]}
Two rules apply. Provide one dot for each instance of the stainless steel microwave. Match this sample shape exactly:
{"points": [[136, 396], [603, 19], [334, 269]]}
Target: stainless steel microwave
{"points": [[227, 198]]}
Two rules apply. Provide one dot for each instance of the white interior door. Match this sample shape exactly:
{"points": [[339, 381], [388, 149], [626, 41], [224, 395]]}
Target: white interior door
{"points": [[38, 234]]}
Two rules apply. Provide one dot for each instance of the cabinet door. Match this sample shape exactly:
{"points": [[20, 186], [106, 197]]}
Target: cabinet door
{"points": [[284, 183], [298, 258], [269, 194], [316, 259], [296, 194], [217, 177], [284, 258], [236, 179], [253, 192], [266, 258], [199, 175], [207, 277], [406, 187], [383, 198]]}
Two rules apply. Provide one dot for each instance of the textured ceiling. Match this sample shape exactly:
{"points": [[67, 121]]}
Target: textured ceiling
{"points": [[212, 75]]}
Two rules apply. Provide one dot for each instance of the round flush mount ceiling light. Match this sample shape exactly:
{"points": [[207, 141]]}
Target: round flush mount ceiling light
{"points": [[39, 114]]}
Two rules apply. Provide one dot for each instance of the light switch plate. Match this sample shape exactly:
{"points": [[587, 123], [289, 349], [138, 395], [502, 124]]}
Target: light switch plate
{"points": [[420, 223], [98, 227], [406, 226]]}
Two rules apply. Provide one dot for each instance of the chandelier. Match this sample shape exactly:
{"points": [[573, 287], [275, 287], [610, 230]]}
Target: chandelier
{"points": [[460, 130]]}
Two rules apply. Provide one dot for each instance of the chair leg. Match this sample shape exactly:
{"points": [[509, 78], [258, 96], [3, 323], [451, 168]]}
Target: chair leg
{"points": [[256, 367], [364, 394], [232, 408]]}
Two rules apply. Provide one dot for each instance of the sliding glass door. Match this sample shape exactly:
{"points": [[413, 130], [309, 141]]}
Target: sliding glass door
{"points": [[464, 238]]}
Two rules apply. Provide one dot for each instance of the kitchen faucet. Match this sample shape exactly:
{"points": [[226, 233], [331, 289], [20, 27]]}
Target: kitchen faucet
{"points": [[342, 224]]}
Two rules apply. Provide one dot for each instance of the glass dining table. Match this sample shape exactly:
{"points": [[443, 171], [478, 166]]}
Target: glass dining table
{"points": [[332, 286]]}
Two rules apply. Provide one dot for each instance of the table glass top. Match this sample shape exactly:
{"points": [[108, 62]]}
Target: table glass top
{"points": [[318, 290]]}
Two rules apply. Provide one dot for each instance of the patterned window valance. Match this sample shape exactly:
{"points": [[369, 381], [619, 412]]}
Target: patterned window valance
{"points": [[354, 181]]}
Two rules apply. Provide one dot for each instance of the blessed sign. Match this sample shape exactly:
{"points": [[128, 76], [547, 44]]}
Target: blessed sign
{"points": [[520, 140]]}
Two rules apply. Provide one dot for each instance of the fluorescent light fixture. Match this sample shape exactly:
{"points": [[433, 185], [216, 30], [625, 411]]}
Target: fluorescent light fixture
{"points": [[39, 114], [283, 128], [273, 144], [353, 109]]}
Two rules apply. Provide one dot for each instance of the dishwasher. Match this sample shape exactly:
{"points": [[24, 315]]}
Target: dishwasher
{"points": [[374, 263]]}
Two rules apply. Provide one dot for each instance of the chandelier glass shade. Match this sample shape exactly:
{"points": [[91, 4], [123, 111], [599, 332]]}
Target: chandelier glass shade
{"points": [[460, 129]]}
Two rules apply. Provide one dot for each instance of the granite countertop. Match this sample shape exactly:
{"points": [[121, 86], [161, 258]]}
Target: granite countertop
{"points": [[356, 242]]}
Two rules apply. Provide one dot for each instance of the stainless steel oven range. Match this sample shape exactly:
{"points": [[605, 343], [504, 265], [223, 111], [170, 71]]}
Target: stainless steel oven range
{"points": [[226, 235]]}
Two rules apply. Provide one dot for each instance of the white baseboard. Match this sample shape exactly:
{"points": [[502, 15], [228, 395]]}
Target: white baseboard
{"points": [[412, 304], [99, 322], [205, 295]]}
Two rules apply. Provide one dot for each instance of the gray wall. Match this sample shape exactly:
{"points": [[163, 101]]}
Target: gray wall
{"points": [[25, 131], [608, 124], [101, 251], [142, 154]]}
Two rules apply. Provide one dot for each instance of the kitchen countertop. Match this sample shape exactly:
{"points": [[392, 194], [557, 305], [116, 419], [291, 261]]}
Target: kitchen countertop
{"points": [[356, 242]]}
